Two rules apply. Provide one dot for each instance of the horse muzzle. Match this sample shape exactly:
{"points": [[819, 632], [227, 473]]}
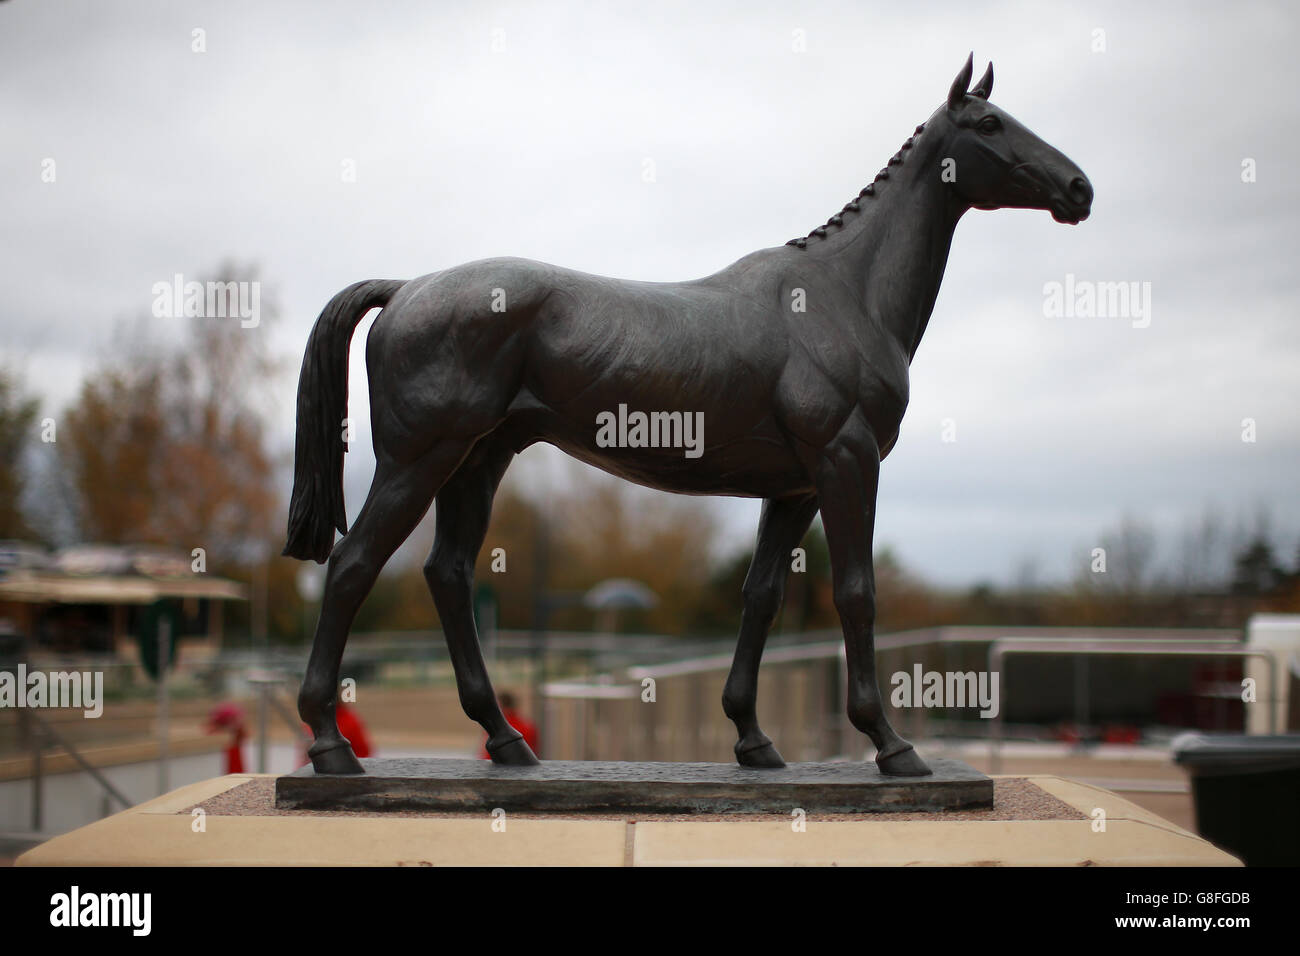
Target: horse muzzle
{"points": [[1073, 204]]}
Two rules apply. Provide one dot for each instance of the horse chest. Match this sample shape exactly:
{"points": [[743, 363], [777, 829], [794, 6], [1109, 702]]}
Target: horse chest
{"points": [[882, 397]]}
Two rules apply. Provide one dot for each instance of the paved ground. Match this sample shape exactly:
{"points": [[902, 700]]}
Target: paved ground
{"points": [[1148, 778]]}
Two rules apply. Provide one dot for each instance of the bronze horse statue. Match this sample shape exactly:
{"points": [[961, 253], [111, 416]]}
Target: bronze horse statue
{"points": [[796, 355]]}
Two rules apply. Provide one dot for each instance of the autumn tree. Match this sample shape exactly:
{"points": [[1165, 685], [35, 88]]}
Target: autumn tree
{"points": [[608, 528], [166, 444], [596, 527], [17, 420]]}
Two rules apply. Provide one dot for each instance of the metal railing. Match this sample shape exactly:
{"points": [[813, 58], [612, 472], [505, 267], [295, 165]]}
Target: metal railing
{"points": [[39, 730], [1072, 647], [601, 699], [602, 673]]}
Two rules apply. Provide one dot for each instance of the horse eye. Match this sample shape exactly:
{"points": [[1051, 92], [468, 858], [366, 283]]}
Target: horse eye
{"points": [[990, 124]]}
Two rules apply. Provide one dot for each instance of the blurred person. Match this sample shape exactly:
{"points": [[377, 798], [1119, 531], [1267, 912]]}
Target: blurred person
{"points": [[228, 718], [350, 726]]}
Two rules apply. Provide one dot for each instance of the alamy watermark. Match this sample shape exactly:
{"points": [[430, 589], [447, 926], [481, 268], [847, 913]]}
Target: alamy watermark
{"points": [[75, 908], [1089, 299], [82, 689], [208, 300], [948, 689], [626, 429]]}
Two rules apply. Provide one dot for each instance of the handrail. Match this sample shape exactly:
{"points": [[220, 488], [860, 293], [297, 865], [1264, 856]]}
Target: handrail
{"points": [[48, 730]]}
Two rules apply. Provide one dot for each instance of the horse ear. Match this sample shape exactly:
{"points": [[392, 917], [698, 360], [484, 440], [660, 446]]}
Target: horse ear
{"points": [[985, 86], [960, 84]]}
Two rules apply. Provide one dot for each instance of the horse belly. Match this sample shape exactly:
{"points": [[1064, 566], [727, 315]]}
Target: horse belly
{"points": [[758, 464]]}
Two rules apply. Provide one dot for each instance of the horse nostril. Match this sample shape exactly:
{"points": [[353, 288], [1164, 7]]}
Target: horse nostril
{"points": [[1080, 191]]}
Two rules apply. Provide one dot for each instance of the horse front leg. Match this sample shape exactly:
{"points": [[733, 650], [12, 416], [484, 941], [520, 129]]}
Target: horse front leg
{"points": [[847, 479], [784, 523]]}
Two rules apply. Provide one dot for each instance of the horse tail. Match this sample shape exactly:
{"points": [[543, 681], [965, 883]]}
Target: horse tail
{"points": [[316, 507]]}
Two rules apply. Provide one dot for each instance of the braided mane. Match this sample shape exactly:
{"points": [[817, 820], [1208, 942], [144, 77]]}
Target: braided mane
{"points": [[867, 192]]}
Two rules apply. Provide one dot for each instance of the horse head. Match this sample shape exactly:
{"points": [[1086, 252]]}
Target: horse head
{"points": [[998, 163]]}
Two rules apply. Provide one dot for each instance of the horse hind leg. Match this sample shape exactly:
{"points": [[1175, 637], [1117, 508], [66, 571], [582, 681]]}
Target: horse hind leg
{"points": [[780, 529], [399, 496], [463, 512]]}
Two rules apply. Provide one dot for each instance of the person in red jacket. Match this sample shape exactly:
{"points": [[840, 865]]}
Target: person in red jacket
{"points": [[517, 721], [229, 719], [351, 727]]}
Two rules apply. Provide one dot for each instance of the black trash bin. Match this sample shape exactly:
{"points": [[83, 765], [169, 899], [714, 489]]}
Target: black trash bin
{"points": [[1247, 793]]}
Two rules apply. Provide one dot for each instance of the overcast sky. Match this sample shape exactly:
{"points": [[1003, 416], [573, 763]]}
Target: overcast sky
{"points": [[524, 129]]}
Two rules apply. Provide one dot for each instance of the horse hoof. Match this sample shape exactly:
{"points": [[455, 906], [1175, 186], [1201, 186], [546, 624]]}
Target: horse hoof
{"points": [[902, 763], [513, 753], [337, 758], [761, 756]]}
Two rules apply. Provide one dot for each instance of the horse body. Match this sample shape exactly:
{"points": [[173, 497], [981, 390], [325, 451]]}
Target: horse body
{"points": [[566, 346], [560, 346], [795, 359]]}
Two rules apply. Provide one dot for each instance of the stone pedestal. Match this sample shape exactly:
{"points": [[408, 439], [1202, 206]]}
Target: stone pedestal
{"points": [[242, 827], [592, 786]]}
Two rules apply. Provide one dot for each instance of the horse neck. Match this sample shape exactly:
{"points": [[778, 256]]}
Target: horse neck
{"points": [[895, 250]]}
